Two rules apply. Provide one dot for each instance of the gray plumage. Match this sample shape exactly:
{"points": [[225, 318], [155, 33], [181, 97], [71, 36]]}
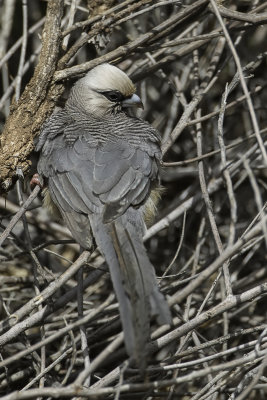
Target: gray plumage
{"points": [[100, 166]]}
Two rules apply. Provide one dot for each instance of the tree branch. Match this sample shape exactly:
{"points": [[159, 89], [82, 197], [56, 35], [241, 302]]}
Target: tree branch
{"points": [[37, 100]]}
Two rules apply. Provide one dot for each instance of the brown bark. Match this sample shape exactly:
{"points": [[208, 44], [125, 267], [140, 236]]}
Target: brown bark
{"points": [[35, 103]]}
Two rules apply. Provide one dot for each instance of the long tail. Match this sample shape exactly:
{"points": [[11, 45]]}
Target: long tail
{"points": [[133, 278]]}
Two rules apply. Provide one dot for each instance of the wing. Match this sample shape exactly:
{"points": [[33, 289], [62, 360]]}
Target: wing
{"points": [[122, 177], [97, 176]]}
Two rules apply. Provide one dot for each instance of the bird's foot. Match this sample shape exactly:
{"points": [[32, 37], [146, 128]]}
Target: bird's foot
{"points": [[36, 181]]}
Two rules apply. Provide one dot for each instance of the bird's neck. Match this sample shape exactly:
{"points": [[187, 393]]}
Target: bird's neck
{"points": [[95, 113]]}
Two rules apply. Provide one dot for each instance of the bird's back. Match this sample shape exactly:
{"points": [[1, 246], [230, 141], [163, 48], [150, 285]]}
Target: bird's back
{"points": [[110, 163]]}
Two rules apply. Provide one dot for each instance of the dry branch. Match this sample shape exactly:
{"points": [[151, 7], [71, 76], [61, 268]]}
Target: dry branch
{"points": [[34, 105], [200, 68]]}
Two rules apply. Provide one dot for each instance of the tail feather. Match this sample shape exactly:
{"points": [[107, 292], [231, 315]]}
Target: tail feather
{"points": [[158, 305], [134, 281]]}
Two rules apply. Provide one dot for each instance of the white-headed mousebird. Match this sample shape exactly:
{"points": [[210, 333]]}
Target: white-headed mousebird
{"points": [[100, 169]]}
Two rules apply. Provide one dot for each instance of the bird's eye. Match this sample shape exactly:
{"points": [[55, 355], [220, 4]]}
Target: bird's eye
{"points": [[114, 96]]}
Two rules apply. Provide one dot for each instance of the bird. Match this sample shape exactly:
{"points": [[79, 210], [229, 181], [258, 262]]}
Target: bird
{"points": [[99, 166]]}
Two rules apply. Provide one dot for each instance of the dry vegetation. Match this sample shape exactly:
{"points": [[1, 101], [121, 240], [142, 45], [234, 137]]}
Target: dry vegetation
{"points": [[200, 68]]}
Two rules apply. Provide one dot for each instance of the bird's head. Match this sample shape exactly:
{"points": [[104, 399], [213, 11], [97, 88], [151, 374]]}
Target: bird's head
{"points": [[104, 90]]}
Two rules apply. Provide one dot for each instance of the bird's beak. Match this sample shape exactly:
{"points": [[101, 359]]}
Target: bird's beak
{"points": [[133, 101]]}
